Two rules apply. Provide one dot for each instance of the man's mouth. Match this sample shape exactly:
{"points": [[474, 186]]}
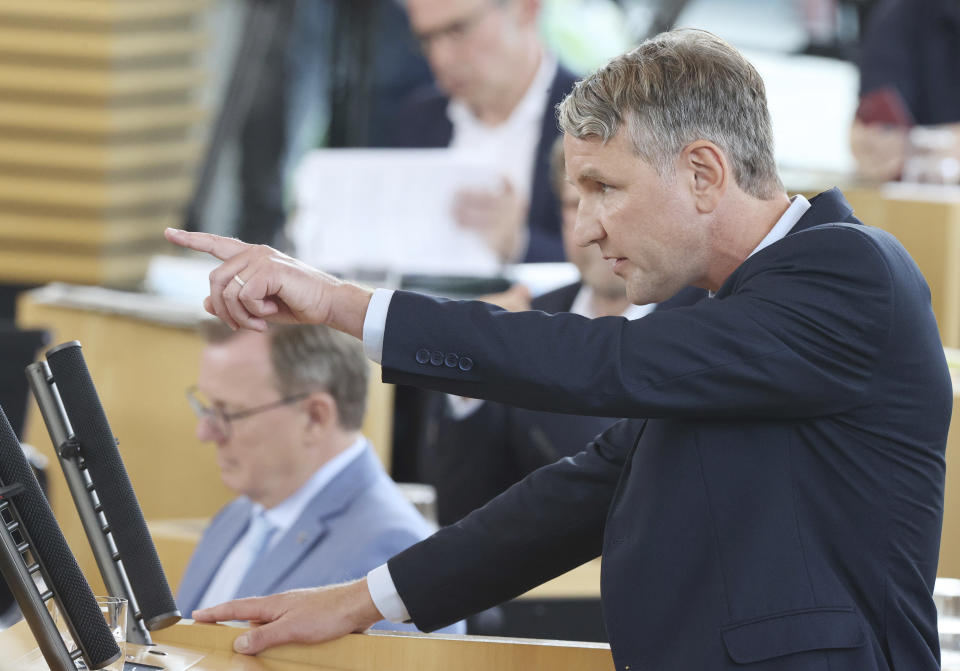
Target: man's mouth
{"points": [[615, 261]]}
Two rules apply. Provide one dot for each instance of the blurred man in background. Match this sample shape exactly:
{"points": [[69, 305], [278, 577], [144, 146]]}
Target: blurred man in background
{"points": [[496, 91], [284, 409]]}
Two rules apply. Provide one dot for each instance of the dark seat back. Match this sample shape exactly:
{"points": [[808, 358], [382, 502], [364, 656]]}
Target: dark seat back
{"points": [[18, 349]]}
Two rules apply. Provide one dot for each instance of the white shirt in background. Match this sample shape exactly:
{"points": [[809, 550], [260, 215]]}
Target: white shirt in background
{"points": [[510, 146]]}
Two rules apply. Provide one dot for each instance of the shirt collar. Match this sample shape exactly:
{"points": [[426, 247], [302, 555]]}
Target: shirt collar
{"points": [[798, 207], [581, 306], [283, 515], [531, 105]]}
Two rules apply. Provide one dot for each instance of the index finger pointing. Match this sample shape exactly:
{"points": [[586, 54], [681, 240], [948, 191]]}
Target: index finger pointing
{"points": [[215, 245]]}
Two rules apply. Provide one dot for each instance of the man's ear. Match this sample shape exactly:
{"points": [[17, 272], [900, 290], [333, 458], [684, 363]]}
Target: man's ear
{"points": [[528, 11], [321, 411], [708, 171]]}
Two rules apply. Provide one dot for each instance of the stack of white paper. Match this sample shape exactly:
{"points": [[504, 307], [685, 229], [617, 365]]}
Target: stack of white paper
{"points": [[360, 210]]}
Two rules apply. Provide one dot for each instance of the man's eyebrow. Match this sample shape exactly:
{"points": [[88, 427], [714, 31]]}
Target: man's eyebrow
{"points": [[589, 174]]}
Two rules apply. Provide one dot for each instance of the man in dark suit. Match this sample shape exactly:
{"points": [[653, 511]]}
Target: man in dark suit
{"points": [[776, 500], [497, 87]]}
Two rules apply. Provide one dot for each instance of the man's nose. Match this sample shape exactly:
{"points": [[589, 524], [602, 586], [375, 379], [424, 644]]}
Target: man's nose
{"points": [[207, 431], [588, 228], [441, 53]]}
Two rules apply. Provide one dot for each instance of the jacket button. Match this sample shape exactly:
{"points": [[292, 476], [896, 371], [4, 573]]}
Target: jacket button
{"points": [[423, 356], [466, 363], [436, 358], [450, 361]]}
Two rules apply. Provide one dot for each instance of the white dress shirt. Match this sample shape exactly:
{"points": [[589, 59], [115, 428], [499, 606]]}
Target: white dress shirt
{"points": [[280, 518], [510, 146], [379, 582]]}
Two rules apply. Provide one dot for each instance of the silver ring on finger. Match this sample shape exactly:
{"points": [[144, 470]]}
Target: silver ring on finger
{"points": [[239, 280]]}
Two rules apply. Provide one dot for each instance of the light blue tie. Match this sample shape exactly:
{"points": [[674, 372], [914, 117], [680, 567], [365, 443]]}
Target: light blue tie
{"points": [[258, 538]]}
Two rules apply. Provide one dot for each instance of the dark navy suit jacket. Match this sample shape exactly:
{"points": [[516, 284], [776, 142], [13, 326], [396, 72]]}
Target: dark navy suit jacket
{"points": [[780, 506], [471, 460], [422, 121]]}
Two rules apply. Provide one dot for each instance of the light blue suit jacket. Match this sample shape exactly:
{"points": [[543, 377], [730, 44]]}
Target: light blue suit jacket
{"points": [[358, 521]]}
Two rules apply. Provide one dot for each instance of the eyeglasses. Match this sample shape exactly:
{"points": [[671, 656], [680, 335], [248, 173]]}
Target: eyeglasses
{"points": [[457, 31], [220, 420]]}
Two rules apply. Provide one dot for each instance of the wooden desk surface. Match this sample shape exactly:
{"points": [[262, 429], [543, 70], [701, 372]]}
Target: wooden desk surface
{"points": [[204, 647]]}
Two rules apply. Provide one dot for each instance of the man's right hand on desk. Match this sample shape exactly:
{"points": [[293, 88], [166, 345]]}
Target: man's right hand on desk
{"points": [[299, 616]]}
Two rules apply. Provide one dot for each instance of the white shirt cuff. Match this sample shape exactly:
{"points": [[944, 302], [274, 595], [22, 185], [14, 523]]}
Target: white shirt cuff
{"points": [[384, 595], [375, 323]]}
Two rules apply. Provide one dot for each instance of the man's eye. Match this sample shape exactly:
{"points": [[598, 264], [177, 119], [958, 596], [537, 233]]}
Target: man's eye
{"points": [[457, 30], [603, 187]]}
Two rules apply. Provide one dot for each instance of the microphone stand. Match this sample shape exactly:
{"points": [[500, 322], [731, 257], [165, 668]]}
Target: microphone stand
{"points": [[20, 580], [85, 497]]}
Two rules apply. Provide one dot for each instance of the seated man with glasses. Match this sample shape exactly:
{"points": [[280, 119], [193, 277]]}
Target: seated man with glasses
{"points": [[284, 409], [497, 87]]}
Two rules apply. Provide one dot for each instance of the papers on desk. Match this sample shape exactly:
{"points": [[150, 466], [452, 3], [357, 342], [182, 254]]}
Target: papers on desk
{"points": [[388, 210], [149, 307], [929, 193]]}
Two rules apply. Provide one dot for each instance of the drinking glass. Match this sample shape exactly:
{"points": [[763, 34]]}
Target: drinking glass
{"points": [[114, 611]]}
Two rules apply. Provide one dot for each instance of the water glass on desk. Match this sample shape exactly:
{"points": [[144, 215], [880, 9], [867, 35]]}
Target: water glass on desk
{"points": [[114, 611]]}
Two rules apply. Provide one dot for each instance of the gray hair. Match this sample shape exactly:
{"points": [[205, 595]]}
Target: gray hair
{"points": [[310, 358], [673, 89], [558, 171]]}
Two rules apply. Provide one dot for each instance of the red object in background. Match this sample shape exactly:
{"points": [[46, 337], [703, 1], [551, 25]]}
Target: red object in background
{"points": [[885, 106]]}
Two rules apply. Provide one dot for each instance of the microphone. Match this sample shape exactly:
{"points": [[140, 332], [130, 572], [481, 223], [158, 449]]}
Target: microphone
{"points": [[57, 565], [98, 447]]}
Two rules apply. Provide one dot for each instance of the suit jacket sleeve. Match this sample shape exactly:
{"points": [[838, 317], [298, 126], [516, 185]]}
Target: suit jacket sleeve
{"points": [[509, 546], [792, 332]]}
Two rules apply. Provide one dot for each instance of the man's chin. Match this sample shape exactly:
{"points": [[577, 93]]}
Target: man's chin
{"points": [[230, 482], [639, 295], [646, 294]]}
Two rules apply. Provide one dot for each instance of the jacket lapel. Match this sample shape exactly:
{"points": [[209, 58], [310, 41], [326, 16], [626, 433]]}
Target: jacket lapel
{"points": [[210, 553], [273, 567]]}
